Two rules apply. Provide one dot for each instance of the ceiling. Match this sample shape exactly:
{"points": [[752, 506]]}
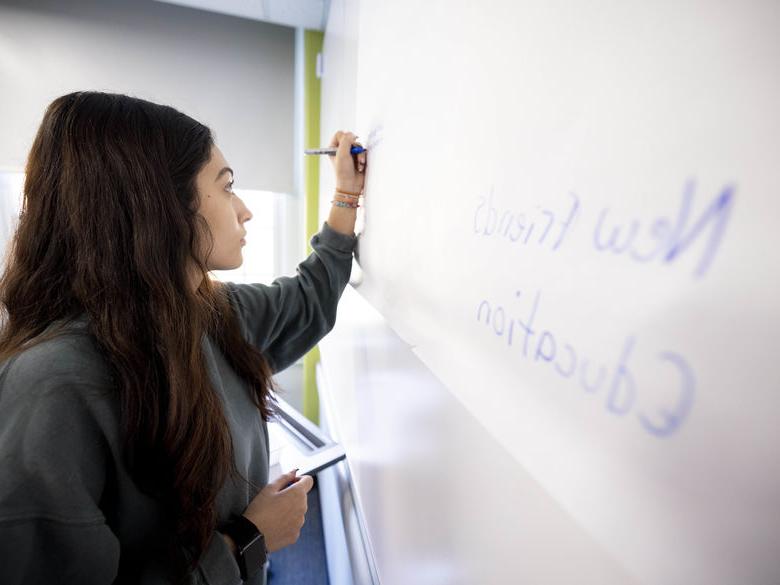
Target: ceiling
{"points": [[311, 14]]}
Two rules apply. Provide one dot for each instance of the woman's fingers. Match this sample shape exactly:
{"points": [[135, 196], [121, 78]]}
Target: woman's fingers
{"points": [[361, 160], [345, 143], [334, 142], [302, 483], [281, 482], [358, 159], [340, 137], [350, 168]]}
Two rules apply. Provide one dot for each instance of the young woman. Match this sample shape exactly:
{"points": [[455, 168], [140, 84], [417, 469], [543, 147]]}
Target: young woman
{"points": [[135, 390]]}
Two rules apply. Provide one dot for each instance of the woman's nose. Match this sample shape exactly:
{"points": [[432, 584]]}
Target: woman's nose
{"points": [[244, 213]]}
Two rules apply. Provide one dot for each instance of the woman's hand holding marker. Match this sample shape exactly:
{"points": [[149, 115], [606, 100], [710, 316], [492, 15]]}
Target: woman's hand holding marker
{"points": [[350, 168], [348, 158]]}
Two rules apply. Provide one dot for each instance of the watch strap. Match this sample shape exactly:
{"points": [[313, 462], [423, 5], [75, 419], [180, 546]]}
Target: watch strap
{"points": [[251, 553]]}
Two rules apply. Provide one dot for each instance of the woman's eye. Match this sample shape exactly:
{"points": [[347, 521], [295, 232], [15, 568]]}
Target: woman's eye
{"points": [[229, 187]]}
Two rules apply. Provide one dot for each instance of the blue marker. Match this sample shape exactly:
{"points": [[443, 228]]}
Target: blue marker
{"points": [[332, 151]]}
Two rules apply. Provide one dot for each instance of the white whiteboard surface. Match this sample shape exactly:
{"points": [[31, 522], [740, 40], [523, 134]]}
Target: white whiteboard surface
{"points": [[570, 218], [442, 501]]}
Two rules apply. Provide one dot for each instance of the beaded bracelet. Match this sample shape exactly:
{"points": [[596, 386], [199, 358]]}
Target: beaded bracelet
{"points": [[338, 203]]}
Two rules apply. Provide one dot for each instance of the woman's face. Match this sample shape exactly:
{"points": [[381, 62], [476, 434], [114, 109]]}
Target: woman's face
{"points": [[224, 211]]}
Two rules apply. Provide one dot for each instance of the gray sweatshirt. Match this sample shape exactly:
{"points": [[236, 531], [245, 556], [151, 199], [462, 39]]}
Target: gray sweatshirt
{"points": [[69, 511]]}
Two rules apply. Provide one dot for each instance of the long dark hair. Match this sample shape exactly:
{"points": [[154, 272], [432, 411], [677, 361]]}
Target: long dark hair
{"points": [[109, 227]]}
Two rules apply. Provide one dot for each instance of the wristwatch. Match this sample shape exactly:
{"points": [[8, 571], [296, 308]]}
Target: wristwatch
{"points": [[250, 545]]}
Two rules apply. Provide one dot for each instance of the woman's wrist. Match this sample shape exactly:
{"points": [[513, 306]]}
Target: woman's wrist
{"points": [[342, 219], [343, 209], [349, 189]]}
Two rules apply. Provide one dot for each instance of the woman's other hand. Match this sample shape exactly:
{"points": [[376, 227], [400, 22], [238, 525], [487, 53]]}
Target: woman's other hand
{"points": [[279, 510]]}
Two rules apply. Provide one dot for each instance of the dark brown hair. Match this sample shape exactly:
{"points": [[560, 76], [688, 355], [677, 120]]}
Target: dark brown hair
{"points": [[109, 227]]}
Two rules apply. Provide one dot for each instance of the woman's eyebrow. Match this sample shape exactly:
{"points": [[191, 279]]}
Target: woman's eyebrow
{"points": [[223, 171]]}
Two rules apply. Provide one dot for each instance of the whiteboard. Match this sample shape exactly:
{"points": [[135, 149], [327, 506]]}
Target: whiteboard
{"points": [[570, 221]]}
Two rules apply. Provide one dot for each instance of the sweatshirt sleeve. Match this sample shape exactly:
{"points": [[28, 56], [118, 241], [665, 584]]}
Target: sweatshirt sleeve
{"points": [[54, 455], [287, 318]]}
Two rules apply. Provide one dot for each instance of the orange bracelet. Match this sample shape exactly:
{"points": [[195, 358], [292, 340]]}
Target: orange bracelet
{"points": [[348, 192], [339, 193]]}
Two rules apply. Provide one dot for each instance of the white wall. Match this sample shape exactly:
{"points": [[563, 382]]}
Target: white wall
{"points": [[233, 74]]}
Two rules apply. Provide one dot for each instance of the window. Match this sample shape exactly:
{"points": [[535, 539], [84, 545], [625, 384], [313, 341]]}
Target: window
{"points": [[271, 242], [11, 184]]}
